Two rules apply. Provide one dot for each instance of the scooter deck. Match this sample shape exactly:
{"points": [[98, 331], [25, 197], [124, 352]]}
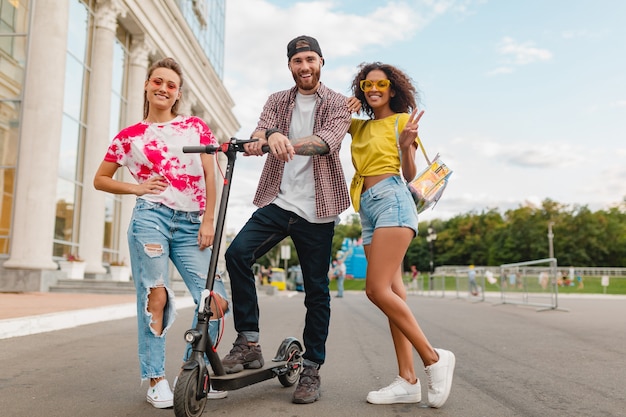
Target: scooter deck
{"points": [[246, 377]]}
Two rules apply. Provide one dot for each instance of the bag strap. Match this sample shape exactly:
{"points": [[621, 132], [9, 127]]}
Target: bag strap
{"points": [[419, 143]]}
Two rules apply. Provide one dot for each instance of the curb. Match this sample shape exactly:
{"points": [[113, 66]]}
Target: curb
{"points": [[43, 323]]}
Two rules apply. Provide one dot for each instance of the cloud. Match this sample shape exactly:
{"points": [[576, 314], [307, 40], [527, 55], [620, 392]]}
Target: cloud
{"points": [[522, 53], [543, 157], [550, 155], [517, 54]]}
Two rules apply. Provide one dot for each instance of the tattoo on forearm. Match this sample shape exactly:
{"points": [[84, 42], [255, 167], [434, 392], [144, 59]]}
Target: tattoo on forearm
{"points": [[309, 146]]}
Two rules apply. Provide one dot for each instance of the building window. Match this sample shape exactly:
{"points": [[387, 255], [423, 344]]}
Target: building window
{"points": [[69, 183], [14, 18], [206, 18], [119, 101]]}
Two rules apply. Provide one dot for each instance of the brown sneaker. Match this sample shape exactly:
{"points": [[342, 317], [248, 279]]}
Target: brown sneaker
{"points": [[243, 356], [308, 389]]}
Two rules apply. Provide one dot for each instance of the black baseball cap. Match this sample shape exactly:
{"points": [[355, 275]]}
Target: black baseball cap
{"points": [[312, 46]]}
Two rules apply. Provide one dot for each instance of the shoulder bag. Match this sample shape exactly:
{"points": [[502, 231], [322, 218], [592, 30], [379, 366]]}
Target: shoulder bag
{"points": [[428, 186]]}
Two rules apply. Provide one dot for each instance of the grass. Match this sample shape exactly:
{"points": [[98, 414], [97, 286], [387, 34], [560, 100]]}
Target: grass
{"points": [[592, 285]]}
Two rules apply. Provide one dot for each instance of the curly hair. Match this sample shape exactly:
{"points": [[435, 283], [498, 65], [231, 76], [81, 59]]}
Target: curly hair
{"points": [[168, 63], [405, 97]]}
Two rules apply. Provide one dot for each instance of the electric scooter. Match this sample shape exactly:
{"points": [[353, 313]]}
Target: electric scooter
{"points": [[194, 381]]}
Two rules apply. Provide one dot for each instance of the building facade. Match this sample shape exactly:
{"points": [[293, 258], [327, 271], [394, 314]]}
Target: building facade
{"points": [[71, 76]]}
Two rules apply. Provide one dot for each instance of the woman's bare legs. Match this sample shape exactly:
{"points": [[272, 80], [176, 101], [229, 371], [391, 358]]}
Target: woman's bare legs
{"points": [[385, 289], [402, 345]]}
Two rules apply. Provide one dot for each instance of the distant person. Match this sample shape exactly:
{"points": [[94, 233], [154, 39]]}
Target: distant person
{"points": [[332, 270], [341, 276], [503, 278], [382, 146], [172, 219], [298, 280], [543, 279], [473, 285], [301, 192], [265, 275], [413, 285]]}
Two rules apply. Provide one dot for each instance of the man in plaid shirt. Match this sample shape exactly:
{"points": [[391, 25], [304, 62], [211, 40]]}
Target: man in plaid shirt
{"points": [[301, 193]]}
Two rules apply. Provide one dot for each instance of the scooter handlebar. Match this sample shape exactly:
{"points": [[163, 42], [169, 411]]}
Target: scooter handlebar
{"points": [[200, 149], [235, 144]]}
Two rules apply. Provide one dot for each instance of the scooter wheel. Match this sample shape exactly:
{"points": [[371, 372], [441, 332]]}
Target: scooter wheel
{"points": [[186, 403], [295, 366]]}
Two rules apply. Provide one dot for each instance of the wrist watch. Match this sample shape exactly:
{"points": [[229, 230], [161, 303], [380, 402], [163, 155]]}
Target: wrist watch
{"points": [[270, 132]]}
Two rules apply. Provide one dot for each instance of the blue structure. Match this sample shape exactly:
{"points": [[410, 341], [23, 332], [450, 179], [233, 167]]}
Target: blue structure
{"points": [[356, 264]]}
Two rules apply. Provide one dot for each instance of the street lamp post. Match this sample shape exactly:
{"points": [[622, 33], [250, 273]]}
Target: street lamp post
{"points": [[550, 240], [430, 238]]}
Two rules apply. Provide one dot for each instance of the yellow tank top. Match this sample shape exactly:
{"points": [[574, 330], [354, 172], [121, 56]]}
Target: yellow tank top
{"points": [[374, 150]]}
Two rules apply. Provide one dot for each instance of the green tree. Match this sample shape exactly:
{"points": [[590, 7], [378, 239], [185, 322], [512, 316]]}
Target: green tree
{"points": [[581, 237]]}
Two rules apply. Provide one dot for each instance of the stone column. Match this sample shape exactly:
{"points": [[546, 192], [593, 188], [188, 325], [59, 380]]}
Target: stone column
{"points": [[92, 213], [188, 101], [140, 50], [40, 138]]}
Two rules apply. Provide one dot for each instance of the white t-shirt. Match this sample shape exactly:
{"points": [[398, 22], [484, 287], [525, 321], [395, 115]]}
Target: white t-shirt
{"points": [[297, 188]]}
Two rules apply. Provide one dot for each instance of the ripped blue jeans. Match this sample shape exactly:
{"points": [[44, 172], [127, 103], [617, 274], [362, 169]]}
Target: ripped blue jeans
{"points": [[156, 235]]}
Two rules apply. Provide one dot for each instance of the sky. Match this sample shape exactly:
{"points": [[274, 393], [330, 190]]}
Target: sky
{"points": [[524, 100]]}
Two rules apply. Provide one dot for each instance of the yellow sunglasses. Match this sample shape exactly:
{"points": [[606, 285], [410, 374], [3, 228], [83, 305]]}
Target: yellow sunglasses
{"points": [[381, 85]]}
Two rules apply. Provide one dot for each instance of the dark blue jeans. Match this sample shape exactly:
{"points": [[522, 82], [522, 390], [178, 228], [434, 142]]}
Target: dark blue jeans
{"points": [[265, 229]]}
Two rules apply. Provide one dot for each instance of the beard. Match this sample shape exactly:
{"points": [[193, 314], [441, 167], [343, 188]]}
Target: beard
{"points": [[308, 84]]}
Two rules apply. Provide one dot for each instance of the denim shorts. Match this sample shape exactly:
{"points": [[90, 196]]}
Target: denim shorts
{"points": [[387, 204]]}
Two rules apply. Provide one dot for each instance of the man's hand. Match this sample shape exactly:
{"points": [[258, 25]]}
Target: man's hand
{"points": [[354, 105], [281, 147], [255, 148]]}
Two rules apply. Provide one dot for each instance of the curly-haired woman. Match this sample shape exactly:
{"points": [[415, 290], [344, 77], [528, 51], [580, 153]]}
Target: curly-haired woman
{"points": [[383, 145]]}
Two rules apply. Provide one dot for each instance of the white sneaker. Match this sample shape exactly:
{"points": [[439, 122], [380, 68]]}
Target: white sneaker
{"points": [[213, 394], [399, 391], [160, 395], [440, 378]]}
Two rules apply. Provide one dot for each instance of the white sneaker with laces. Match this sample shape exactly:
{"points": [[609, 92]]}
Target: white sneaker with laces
{"points": [[399, 391], [160, 395], [440, 378], [213, 394]]}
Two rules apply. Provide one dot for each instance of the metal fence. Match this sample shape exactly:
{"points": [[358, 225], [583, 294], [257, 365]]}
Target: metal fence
{"points": [[428, 285], [532, 283], [585, 271], [463, 286]]}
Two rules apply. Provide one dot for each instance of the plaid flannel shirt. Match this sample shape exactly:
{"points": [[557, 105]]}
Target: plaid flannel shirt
{"points": [[332, 120]]}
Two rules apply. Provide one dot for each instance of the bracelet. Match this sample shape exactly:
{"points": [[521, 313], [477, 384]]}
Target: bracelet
{"points": [[270, 132]]}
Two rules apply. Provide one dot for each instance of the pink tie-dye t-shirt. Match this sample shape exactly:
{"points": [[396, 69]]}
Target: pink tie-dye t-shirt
{"points": [[151, 149]]}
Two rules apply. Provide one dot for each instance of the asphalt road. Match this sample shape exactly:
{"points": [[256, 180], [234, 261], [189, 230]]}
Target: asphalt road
{"points": [[511, 361]]}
